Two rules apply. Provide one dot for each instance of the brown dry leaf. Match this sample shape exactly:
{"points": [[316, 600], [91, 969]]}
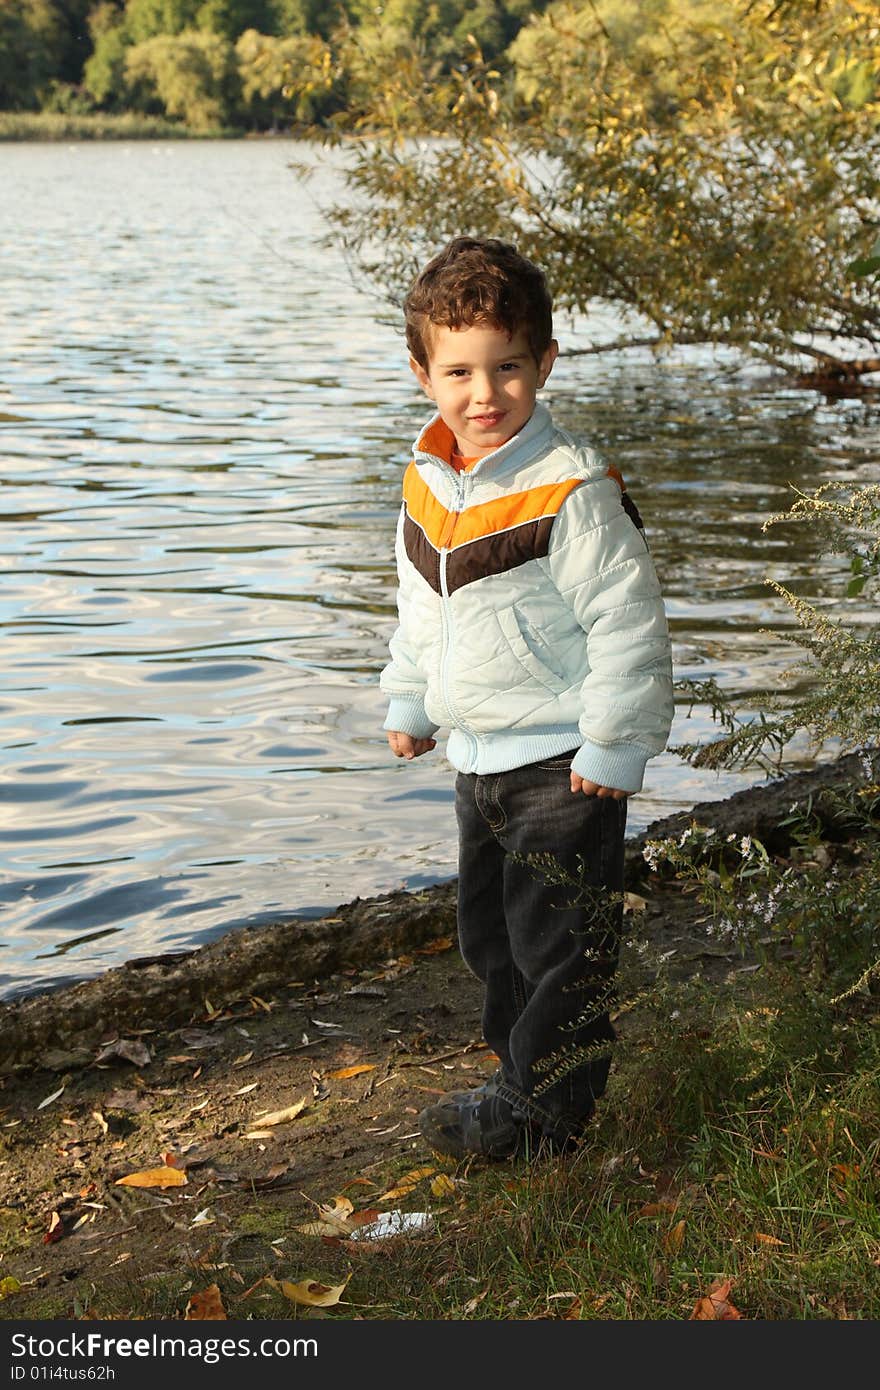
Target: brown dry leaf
{"points": [[129, 1049], [633, 903], [674, 1236], [309, 1292], [407, 1183], [657, 1208], [258, 1134], [334, 1219], [281, 1117], [172, 1161], [345, 1072], [433, 948], [768, 1240], [165, 1176], [716, 1304], [206, 1305]]}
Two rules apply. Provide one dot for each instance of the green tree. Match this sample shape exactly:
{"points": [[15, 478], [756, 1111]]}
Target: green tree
{"points": [[712, 174], [32, 42], [285, 78], [189, 75]]}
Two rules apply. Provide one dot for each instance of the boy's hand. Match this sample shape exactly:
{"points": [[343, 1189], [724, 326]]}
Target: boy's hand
{"points": [[582, 784], [405, 746]]}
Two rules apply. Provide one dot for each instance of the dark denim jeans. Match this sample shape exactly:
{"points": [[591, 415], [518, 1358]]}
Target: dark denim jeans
{"points": [[543, 935]]}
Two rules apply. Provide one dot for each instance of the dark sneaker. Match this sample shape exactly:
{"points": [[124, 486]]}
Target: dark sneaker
{"points": [[474, 1122]]}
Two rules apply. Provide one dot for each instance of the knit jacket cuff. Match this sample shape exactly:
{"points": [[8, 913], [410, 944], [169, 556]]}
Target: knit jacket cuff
{"points": [[619, 765], [406, 715]]}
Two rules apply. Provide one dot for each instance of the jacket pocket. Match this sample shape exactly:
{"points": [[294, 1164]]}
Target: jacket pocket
{"points": [[521, 647]]}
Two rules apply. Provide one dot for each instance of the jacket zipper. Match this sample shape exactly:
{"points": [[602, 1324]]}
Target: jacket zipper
{"points": [[446, 654]]}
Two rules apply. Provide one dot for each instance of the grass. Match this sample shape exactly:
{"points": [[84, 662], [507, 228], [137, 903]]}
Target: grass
{"points": [[54, 125], [738, 1141]]}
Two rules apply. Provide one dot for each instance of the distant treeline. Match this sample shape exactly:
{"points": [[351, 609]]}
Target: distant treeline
{"points": [[257, 64]]}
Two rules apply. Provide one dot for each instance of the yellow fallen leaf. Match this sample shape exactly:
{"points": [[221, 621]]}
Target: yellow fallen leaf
{"points": [[407, 1183], [281, 1117], [205, 1305], [154, 1177], [309, 1292], [768, 1240], [345, 1072], [674, 1237], [9, 1286], [442, 1186]]}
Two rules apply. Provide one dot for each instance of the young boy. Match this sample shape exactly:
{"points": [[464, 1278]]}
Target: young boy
{"points": [[531, 624]]}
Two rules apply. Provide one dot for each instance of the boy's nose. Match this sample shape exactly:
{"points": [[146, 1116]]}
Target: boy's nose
{"points": [[483, 389]]}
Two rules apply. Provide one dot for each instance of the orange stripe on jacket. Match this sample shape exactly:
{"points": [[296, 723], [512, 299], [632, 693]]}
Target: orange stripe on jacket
{"points": [[511, 509]]}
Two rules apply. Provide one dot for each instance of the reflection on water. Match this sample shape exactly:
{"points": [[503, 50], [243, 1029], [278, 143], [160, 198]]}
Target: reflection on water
{"points": [[202, 431]]}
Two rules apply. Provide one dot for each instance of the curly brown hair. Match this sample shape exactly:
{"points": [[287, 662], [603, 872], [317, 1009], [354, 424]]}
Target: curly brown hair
{"points": [[479, 280]]}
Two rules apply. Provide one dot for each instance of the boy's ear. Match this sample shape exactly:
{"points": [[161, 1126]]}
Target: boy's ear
{"points": [[421, 377], [545, 366]]}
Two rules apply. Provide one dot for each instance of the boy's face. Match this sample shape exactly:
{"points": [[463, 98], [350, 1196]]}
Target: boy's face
{"points": [[483, 381]]}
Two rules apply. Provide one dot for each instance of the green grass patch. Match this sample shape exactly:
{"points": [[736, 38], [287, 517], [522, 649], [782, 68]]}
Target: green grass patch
{"points": [[56, 125]]}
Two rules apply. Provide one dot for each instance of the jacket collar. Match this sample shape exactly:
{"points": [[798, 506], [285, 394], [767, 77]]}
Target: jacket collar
{"points": [[435, 440]]}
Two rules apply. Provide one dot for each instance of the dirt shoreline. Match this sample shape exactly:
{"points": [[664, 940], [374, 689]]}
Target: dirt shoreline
{"points": [[275, 1069], [61, 1030]]}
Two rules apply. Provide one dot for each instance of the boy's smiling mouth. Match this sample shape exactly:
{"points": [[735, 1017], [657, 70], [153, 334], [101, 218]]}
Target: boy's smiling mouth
{"points": [[490, 417]]}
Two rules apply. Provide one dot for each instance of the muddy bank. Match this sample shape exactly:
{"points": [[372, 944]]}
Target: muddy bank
{"points": [[61, 1030]]}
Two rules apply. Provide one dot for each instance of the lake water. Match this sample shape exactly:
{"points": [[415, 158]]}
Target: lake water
{"points": [[202, 433]]}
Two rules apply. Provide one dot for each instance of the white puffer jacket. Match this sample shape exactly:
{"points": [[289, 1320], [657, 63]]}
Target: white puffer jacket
{"points": [[531, 620]]}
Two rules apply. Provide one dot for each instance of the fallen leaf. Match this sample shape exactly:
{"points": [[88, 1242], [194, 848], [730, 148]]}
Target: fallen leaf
{"points": [[345, 1072], [258, 1134], [334, 1219], [49, 1099], [96, 1115], [129, 1049], [165, 1176], [281, 1117], [205, 1305], [55, 1231], [433, 948], [203, 1218], [716, 1305], [656, 1208], [9, 1286], [309, 1292], [475, 1302], [633, 903], [407, 1183], [244, 1089], [768, 1240], [442, 1186], [673, 1238]]}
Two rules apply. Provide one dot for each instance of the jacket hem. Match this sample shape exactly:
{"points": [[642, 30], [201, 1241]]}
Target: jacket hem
{"points": [[502, 752]]}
